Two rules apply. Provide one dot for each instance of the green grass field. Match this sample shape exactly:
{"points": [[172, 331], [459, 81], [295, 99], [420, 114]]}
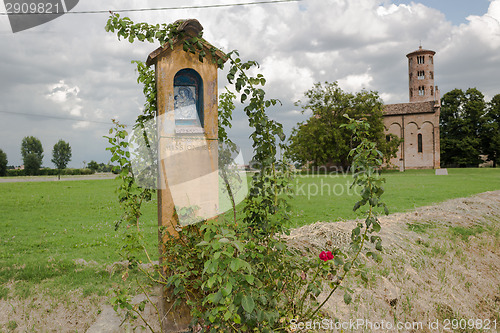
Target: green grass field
{"points": [[45, 226], [328, 198]]}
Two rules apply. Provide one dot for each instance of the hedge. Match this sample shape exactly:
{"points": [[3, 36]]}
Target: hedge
{"points": [[51, 172]]}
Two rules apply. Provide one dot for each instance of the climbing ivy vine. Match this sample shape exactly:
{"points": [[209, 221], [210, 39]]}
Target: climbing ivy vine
{"points": [[237, 273]]}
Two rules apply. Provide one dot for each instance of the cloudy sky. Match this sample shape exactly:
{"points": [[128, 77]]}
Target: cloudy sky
{"points": [[71, 68]]}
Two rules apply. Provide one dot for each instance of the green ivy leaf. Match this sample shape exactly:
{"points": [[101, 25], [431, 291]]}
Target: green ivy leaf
{"points": [[249, 278], [338, 261], [248, 303], [347, 266], [227, 289], [237, 263], [347, 298], [214, 298], [282, 136]]}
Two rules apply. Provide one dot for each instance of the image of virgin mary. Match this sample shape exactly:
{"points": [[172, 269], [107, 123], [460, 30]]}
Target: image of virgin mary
{"points": [[184, 104]]}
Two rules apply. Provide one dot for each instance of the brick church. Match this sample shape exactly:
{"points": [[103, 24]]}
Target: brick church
{"points": [[417, 122]]}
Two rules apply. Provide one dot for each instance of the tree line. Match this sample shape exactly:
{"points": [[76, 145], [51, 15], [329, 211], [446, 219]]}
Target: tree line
{"points": [[323, 140], [32, 154], [469, 127]]}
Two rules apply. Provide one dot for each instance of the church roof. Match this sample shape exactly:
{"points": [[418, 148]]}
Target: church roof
{"points": [[410, 108], [420, 51]]}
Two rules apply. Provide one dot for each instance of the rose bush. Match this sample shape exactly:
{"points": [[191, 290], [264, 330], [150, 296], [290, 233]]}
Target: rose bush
{"points": [[325, 256]]}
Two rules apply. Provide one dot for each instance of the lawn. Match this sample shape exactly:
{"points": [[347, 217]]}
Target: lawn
{"points": [[46, 226], [329, 198]]}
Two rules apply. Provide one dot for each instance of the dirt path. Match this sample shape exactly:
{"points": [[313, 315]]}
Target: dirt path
{"points": [[441, 266], [440, 263]]}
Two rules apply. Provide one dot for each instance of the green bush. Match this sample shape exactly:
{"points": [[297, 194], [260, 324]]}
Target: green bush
{"points": [[87, 171], [15, 173], [77, 172], [47, 172], [51, 172], [3, 163]]}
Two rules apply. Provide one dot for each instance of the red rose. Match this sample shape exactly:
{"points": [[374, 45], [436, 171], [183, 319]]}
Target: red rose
{"points": [[325, 256]]}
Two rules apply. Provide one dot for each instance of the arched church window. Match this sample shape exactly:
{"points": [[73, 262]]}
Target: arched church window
{"points": [[419, 142]]}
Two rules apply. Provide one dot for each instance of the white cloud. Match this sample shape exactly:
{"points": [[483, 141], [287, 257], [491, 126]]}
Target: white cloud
{"points": [[66, 97], [386, 97], [486, 27], [392, 9], [356, 82], [81, 124], [360, 43], [286, 78], [470, 55]]}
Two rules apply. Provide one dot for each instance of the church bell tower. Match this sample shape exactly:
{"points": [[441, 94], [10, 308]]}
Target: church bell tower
{"points": [[421, 76]]}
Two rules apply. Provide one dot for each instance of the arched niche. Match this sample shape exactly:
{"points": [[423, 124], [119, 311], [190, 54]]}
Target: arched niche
{"points": [[188, 100]]}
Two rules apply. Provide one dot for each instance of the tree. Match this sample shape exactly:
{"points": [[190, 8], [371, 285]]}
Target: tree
{"points": [[461, 127], [32, 153], [321, 139], [61, 155], [3, 163], [490, 136], [92, 165]]}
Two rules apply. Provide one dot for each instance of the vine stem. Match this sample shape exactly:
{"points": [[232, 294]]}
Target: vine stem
{"points": [[303, 298], [230, 192], [232, 326], [139, 313], [151, 302], [370, 214], [152, 278], [341, 279], [275, 188]]}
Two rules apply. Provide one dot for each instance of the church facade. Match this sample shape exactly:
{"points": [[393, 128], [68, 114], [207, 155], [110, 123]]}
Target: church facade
{"points": [[417, 122]]}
